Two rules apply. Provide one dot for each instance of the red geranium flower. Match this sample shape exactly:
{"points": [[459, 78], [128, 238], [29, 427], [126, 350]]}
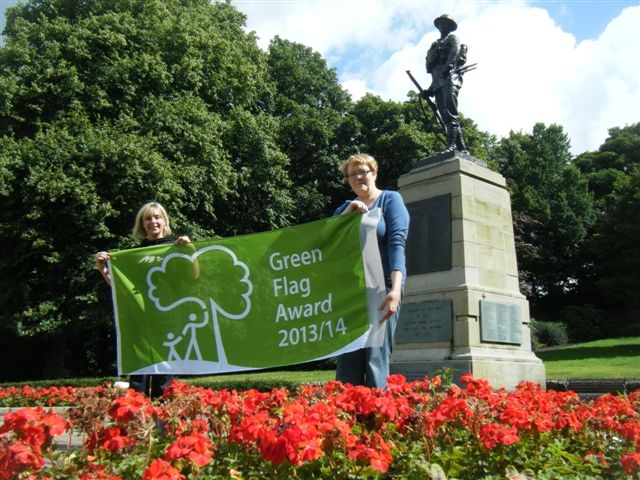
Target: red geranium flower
{"points": [[161, 470], [374, 450], [34, 425], [113, 440], [27, 456], [196, 447], [491, 434], [631, 462], [124, 408]]}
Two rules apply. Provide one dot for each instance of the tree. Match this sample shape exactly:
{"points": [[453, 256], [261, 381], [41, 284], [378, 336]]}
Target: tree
{"points": [[610, 281], [112, 57], [106, 105], [398, 135], [261, 197], [382, 130], [552, 209], [311, 107], [54, 215], [618, 251], [615, 159]]}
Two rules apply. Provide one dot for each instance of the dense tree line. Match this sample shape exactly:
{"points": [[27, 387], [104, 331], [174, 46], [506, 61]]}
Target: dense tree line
{"points": [[104, 105], [575, 222], [607, 300]]}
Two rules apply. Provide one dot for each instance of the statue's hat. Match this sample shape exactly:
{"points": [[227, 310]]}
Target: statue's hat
{"points": [[446, 21]]}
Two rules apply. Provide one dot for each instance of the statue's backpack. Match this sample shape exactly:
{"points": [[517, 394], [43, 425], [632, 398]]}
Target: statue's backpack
{"points": [[461, 59]]}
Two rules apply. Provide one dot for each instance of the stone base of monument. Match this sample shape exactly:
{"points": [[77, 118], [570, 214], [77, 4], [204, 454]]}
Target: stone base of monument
{"points": [[499, 371], [463, 310]]}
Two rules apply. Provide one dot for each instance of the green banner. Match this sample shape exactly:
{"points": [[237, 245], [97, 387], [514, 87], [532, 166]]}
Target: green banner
{"points": [[256, 301]]}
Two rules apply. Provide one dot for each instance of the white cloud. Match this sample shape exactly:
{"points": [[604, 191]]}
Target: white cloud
{"points": [[356, 87], [529, 69]]}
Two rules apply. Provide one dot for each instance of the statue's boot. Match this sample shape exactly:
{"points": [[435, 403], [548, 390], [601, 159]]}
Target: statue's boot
{"points": [[460, 142], [452, 134]]}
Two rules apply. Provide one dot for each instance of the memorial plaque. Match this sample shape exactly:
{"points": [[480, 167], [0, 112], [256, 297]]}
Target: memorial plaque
{"points": [[430, 321], [500, 322], [429, 242]]}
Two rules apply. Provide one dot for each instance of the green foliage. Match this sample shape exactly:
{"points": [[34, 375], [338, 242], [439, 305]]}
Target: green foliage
{"points": [[548, 334], [552, 209], [619, 251], [385, 130], [262, 385], [61, 382], [311, 107], [111, 56], [108, 105], [585, 322], [611, 277]]}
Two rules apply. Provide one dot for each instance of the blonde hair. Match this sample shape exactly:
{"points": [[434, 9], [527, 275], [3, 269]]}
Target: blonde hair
{"points": [[150, 207], [359, 159]]}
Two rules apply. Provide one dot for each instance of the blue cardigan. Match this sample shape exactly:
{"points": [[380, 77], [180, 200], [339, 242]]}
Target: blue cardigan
{"points": [[392, 232]]}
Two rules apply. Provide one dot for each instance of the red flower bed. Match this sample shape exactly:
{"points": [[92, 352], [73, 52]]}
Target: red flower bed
{"points": [[411, 430]]}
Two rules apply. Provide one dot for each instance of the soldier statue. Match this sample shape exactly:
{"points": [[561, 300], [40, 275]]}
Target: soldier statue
{"points": [[444, 60]]}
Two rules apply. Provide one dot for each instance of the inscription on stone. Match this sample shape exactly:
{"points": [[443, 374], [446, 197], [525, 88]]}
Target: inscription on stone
{"points": [[430, 321], [500, 322], [429, 242]]}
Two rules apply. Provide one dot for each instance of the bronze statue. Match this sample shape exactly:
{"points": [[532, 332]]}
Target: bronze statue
{"points": [[445, 62]]}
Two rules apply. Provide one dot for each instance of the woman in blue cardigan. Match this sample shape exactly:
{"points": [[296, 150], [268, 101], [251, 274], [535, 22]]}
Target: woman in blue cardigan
{"points": [[370, 366]]}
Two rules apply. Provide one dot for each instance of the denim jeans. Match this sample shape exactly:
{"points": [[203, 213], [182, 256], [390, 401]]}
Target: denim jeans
{"points": [[369, 366], [151, 385]]}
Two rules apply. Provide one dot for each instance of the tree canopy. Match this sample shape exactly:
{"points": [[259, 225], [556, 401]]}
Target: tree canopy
{"points": [[610, 282], [312, 108], [107, 105], [552, 207]]}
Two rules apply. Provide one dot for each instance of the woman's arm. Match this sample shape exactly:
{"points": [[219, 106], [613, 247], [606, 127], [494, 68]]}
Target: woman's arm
{"points": [[396, 218]]}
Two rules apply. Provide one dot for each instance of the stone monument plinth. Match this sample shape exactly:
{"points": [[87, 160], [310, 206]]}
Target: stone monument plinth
{"points": [[462, 310]]}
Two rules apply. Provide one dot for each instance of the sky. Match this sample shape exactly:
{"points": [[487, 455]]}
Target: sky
{"points": [[575, 63], [572, 63]]}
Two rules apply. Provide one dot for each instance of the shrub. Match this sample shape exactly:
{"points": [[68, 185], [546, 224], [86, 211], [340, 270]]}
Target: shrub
{"points": [[584, 322], [548, 334]]}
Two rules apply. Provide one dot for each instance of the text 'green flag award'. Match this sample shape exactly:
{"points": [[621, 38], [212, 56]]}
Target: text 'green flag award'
{"points": [[256, 301]]}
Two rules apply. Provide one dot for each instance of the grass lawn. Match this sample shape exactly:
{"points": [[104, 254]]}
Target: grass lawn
{"points": [[616, 358], [611, 358]]}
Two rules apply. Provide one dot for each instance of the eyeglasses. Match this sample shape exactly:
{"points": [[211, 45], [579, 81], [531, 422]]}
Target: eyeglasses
{"points": [[355, 175]]}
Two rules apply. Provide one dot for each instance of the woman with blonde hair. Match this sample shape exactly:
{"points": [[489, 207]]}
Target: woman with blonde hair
{"points": [[151, 227]]}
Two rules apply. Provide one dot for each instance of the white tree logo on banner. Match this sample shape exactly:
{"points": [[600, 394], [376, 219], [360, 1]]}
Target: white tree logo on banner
{"points": [[202, 294]]}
